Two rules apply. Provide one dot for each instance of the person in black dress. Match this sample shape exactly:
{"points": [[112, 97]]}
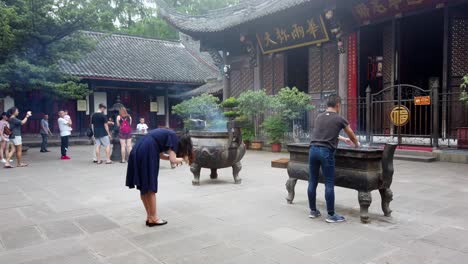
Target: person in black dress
{"points": [[143, 165]]}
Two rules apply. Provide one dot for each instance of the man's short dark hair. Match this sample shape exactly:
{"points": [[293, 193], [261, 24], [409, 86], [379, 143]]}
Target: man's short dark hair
{"points": [[333, 100], [102, 106]]}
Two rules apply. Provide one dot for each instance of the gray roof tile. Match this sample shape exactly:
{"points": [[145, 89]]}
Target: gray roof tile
{"points": [[122, 57], [226, 18]]}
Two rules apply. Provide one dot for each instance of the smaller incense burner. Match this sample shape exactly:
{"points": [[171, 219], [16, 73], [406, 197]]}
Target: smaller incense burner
{"points": [[217, 150]]}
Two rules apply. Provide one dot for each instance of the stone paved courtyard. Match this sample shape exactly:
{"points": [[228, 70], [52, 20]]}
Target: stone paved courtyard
{"points": [[78, 212]]}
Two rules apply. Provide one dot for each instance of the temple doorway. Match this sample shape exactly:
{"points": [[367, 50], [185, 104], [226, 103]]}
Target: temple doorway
{"points": [[297, 68]]}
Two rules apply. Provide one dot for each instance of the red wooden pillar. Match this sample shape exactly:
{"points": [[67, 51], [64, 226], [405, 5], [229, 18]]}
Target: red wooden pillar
{"points": [[352, 81]]}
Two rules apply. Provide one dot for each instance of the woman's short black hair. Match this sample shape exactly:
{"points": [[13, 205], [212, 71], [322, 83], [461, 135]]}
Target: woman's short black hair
{"points": [[11, 111], [4, 114], [185, 148]]}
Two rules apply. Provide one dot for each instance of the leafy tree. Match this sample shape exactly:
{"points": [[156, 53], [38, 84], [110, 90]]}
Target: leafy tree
{"points": [[275, 128], [292, 104], [39, 34], [254, 104], [35, 35], [464, 90], [151, 27], [198, 7]]}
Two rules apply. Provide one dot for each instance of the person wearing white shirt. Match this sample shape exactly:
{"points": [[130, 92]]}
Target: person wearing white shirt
{"points": [[142, 127], [65, 132]]}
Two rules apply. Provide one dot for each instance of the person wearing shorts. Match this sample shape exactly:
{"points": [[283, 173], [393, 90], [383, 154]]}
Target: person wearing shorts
{"points": [[15, 137], [124, 123], [4, 139], [102, 135]]}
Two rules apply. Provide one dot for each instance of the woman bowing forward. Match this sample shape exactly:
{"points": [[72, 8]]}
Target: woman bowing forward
{"points": [[143, 166]]}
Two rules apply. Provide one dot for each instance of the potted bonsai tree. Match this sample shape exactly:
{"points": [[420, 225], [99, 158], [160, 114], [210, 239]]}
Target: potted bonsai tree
{"points": [[462, 132], [254, 104], [230, 108], [275, 127], [293, 104]]}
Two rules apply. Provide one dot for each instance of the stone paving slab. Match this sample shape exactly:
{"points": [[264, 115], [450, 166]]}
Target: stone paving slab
{"points": [[78, 212]]}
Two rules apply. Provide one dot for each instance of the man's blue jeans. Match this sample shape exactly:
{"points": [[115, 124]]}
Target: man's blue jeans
{"points": [[325, 158]]}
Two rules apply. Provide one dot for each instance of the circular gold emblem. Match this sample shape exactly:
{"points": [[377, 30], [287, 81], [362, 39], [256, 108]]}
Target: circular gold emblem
{"points": [[400, 115]]}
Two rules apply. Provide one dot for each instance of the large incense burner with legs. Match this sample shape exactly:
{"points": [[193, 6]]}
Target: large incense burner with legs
{"points": [[362, 169], [217, 150]]}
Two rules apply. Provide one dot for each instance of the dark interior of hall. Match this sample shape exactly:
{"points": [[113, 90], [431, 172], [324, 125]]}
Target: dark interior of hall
{"points": [[297, 68], [421, 46]]}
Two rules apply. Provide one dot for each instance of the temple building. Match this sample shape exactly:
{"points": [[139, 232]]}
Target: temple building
{"points": [[141, 73], [397, 64]]}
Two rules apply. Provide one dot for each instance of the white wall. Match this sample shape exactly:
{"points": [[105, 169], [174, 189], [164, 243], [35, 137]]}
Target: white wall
{"points": [[100, 98], [161, 105], [8, 103]]}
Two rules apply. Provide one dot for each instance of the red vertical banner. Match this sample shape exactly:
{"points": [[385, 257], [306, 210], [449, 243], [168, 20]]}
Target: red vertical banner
{"points": [[352, 100]]}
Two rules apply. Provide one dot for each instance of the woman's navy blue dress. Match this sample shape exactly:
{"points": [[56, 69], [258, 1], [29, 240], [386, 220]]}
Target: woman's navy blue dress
{"points": [[143, 162]]}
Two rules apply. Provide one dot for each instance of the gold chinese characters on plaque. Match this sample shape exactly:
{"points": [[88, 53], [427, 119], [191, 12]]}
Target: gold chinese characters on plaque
{"points": [[400, 115], [369, 10], [293, 34]]}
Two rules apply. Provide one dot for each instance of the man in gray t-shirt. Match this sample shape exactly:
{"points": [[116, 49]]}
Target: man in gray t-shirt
{"points": [[323, 144], [45, 132]]}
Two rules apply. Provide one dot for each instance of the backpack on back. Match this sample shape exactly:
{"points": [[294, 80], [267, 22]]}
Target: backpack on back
{"points": [[125, 127]]}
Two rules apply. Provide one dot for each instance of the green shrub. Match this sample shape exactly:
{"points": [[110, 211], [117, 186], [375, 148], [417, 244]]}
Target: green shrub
{"points": [[464, 90], [275, 127], [231, 102]]}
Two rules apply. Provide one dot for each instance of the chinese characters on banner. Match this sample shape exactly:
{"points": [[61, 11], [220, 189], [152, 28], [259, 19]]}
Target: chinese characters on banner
{"points": [[310, 31], [352, 80], [368, 10]]}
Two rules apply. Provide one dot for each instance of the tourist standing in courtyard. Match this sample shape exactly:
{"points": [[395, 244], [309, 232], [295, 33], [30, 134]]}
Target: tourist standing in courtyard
{"points": [[15, 137], [4, 137], [124, 123], [143, 166], [65, 132], [102, 135], [45, 133], [325, 136], [142, 127]]}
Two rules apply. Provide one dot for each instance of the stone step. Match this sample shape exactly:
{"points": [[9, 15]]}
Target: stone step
{"points": [[414, 158], [414, 153]]}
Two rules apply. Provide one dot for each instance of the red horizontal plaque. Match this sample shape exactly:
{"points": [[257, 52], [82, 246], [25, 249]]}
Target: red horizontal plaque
{"points": [[422, 100]]}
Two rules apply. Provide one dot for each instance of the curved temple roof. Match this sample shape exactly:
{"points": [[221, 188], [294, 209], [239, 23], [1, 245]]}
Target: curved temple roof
{"points": [[129, 58], [223, 19]]}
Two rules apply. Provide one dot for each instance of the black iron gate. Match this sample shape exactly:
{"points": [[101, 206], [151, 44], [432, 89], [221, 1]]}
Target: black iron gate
{"points": [[402, 113]]}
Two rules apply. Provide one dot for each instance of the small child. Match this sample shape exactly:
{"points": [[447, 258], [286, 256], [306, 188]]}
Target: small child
{"points": [[68, 119], [142, 127]]}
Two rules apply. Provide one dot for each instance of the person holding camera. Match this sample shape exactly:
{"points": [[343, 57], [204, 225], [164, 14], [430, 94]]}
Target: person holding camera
{"points": [[15, 137]]}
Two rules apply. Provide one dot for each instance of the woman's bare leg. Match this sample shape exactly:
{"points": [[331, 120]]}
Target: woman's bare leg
{"points": [[145, 203], [129, 146], [2, 149], [19, 156], [152, 207], [10, 152], [123, 148]]}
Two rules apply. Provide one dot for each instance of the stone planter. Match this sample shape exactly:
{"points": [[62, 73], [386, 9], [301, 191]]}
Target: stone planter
{"points": [[256, 145]]}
